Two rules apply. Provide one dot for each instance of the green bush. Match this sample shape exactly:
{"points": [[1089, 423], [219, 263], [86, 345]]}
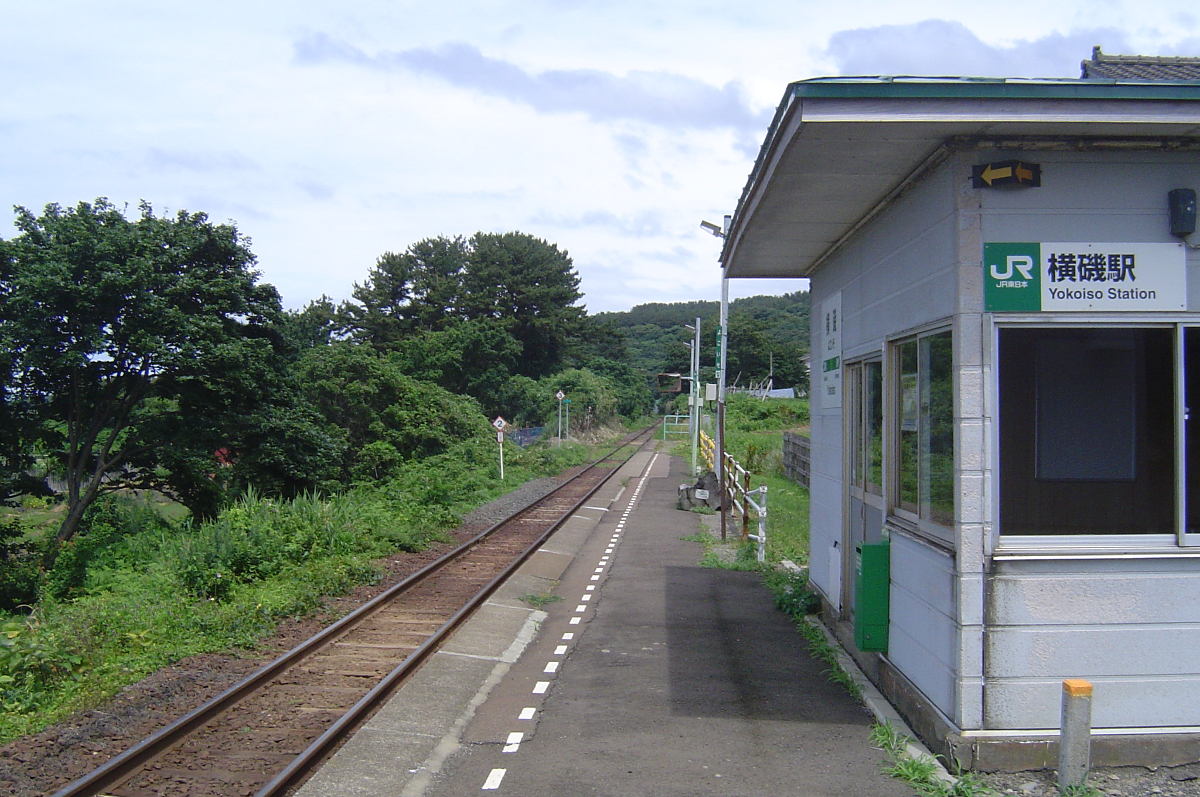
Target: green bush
{"points": [[111, 520], [32, 657], [745, 413], [20, 568]]}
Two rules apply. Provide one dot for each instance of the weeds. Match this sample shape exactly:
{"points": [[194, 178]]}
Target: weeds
{"points": [[922, 772], [538, 601], [814, 634], [791, 593]]}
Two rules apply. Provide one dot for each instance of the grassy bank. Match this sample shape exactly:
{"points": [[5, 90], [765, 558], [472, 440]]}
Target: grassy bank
{"points": [[136, 590]]}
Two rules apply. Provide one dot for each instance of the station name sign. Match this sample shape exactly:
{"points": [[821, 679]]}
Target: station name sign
{"points": [[1083, 277]]}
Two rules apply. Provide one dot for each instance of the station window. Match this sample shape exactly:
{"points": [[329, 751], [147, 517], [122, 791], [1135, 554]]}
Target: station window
{"points": [[865, 389], [924, 439], [1087, 430]]}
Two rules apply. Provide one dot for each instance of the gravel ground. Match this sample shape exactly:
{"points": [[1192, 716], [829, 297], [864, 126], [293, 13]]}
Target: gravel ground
{"points": [[505, 505], [1183, 781]]}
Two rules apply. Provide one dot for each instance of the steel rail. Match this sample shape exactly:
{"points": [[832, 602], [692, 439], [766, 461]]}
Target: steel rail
{"points": [[125, 763], [324, 743]]}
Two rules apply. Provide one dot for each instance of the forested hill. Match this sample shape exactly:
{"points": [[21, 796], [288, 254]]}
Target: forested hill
{"points": [[761, 329]]}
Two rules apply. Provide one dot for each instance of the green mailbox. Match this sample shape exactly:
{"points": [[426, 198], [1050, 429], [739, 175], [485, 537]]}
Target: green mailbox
{"points": [[871, 603]]}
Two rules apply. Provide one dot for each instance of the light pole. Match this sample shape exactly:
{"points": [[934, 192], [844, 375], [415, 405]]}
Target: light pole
{"points": [[722, 350], [694, 393]]}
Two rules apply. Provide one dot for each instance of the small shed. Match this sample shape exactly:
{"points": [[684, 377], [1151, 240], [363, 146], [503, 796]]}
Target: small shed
{"points": [[1006, 338]]}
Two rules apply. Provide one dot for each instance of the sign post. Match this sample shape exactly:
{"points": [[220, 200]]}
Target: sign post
{"points": [[567, 401], [500, 423], [560, 396]]}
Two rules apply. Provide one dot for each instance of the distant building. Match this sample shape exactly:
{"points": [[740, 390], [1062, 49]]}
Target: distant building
{"points": [[1006, 343]]}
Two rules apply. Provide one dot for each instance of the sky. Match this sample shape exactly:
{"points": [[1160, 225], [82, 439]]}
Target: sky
{"points": [[331, 133]]}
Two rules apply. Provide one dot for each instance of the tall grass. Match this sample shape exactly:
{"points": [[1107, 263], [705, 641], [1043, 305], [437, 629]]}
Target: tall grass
{"points": [[135, 592]]}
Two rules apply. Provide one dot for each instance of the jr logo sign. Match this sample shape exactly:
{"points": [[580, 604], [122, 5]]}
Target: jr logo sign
{"points": [[1083, 277], [1012, 280]]}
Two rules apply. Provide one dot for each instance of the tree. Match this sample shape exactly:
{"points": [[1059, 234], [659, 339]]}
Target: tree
{"points": [[386, 416], [474, 357], [125, 335], [506, 282], [531, 287], [315, 325], [416, 291]]}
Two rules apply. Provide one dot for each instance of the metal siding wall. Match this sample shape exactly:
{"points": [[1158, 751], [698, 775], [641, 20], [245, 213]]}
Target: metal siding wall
{"points": [[1131, 626], [825, 501], [898, 274], [923, 640], [825, 507]]}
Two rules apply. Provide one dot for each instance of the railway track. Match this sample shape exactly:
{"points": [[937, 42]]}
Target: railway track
{"points": [[264, 734]]}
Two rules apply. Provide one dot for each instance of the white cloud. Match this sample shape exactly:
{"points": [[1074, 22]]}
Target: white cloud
{"points": [[942, 47], [659, 98], [610, 129]]}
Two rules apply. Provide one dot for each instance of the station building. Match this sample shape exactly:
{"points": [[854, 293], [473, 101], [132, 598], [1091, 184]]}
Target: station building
{"points": [[1005, 393]]}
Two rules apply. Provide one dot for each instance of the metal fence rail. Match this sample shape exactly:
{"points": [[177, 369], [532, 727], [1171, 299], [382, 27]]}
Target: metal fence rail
{"points": [[739, 496], [676, 424]]}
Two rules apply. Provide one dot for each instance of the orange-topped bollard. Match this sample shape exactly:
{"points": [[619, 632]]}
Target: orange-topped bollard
{"points": [[1075, 741]]}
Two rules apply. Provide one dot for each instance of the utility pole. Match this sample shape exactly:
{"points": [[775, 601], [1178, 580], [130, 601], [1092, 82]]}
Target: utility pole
{"points": [[722, 343], [695, 393]]}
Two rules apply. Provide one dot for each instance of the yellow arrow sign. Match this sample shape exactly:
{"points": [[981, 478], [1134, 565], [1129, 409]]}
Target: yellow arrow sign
{"points": [[991, 173], [1024, 173]]}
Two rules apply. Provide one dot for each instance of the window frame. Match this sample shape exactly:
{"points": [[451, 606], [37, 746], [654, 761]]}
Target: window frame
{"points": [[857, 408], [896, 516], [1177, 542]]}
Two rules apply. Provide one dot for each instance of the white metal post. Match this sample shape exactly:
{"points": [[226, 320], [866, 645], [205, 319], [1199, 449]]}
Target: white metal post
{"points": [[722, 342], [695, 394]]}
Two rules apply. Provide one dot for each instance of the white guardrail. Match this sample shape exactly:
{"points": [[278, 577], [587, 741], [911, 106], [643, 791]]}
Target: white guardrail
{"points": [[739, 495]]}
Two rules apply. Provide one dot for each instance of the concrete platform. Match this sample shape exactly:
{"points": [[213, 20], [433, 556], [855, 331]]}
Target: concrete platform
{"points": [[651, 676]]}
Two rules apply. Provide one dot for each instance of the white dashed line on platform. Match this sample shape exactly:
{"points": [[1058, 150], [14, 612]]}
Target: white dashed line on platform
{"points": [[494, 778], [540, 687], [568, 636], [551, 667], [575, 620], [560, 650], [514, 742], [527, 713], [581, 608]]}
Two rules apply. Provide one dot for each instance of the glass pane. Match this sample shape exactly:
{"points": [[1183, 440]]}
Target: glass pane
{"points": [[873, 433], [1086, 408], [910, 424], [855, 419], [937, 429], [1087, 431]]}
